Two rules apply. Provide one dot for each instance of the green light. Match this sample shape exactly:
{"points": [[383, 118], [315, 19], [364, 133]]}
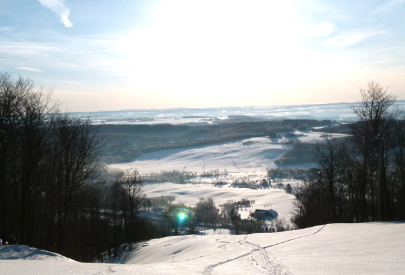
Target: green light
{"points": [[181, 216]]}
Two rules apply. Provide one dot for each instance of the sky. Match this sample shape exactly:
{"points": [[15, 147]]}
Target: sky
{"points": [[142, 54]]}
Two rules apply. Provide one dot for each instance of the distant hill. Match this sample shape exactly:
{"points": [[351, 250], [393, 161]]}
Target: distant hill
{"points": [[126, 142]]}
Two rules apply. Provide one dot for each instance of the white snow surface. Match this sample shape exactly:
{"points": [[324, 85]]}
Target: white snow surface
{"points": [[232, 156], [272, 198], [367, 248], [23, 252], [253, 154], [247, 159]]}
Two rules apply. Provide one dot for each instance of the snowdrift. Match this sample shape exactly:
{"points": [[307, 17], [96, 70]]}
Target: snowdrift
{"points": [[23, 252], [368, 248]]}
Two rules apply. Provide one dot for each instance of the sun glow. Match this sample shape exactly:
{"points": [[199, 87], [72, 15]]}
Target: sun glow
{"points": [[234, 48], [204, 53]]}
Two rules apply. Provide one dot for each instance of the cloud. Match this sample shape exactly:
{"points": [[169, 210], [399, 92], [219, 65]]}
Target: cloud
{"points": [[5, 29], [320, 29], [58, 7], [347, 39], [27, 48], [28, 69]]}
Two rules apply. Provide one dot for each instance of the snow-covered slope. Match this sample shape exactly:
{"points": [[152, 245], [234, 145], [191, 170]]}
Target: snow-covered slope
{"points": [[368, 248], [253, 154], [276, 199], [23, 252], [238, 156]]}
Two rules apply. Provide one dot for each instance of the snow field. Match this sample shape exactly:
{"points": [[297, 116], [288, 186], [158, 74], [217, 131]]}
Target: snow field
{"points": [[276, 199], [245, 159], [248, 155], [233, 156], [366, 248]]}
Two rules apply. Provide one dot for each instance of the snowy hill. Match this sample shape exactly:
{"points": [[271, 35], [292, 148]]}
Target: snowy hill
{"points": [[253, 154], [368, 248]]}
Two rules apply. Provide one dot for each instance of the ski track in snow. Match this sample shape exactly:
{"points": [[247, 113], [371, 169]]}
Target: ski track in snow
{"points": [[368, 248], [265, 260], [223, 247], [108, 270], [231, 159], [260, 257]]}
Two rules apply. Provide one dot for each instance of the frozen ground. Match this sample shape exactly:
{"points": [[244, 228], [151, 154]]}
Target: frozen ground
{"points": [[368, 248], [254, 154], [232, 156]]}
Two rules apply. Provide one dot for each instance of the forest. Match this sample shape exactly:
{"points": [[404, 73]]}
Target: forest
{"points": [[47, 159], [360, 178]]}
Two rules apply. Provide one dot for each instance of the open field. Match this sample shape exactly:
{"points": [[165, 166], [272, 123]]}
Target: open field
{"points": [[246, 155]]}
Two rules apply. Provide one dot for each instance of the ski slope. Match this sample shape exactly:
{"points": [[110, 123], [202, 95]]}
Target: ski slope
{"points": [[367, 248]]}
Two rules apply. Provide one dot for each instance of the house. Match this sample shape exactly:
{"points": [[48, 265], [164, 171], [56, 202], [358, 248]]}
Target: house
{"points": [[267, 215]]}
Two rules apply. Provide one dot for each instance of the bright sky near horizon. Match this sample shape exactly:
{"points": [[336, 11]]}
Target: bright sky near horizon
{"points": [[137, 54]]}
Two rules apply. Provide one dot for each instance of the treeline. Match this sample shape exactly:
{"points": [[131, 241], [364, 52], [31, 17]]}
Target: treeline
{"points": [[362, 177], [50, 195], [298, 153], [288, 173], [127, 142], [186, 220], [174, 176], [46, 159]]}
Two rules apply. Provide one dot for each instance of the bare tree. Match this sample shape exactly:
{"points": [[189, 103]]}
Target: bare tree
{"points": [[46, 159], [374, 111], [329, 160], [23, 130], [375, 117], [74, 156], [398, 145], [206, 211], [130, 198]]}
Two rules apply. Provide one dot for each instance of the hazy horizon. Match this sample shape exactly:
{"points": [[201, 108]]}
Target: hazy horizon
{"points": [[258, 107], [199, 54], [218, 107]]}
